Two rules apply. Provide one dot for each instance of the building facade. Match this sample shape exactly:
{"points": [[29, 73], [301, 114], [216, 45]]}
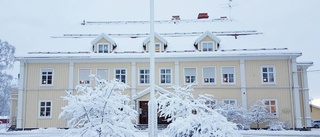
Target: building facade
{"points": [[240, 76]]}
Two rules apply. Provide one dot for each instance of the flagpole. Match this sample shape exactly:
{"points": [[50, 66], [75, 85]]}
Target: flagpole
{"points": [[152, 106]]}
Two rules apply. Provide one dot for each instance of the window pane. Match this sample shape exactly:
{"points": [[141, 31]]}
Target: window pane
{"points": [[103, 73], [84, 76]]}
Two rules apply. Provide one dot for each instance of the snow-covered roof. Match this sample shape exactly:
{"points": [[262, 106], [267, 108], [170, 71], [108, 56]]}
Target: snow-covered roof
{"points": [[101, 36], [183, 40], [156, 35]]}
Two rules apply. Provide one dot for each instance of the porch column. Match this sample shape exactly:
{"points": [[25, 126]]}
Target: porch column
{"points": [[176, 73], [296, 96], [243, 84], [20, 95], [133, 79], [305, 91]]}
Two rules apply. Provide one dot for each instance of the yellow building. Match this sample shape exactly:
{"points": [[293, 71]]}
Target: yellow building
{"points": [[235, 75]]}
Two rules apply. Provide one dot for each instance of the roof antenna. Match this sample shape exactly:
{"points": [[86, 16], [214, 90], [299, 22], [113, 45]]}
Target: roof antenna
{"points": [[230, 5]]}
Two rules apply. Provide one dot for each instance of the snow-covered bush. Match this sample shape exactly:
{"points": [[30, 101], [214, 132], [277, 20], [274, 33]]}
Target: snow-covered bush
{"points": [[191, 116], [277, 126], [99, 111], [232, 112]]}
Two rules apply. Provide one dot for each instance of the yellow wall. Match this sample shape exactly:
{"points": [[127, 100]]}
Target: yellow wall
{"points": [[315, 112]]}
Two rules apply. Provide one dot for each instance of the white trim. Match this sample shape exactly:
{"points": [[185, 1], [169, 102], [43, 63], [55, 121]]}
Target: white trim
{"points": [[243, 84], [102, 35], [176, 73], [274, 74], [52, 80], [234, 76], [184, 75], [230, 99], [108, 73], [51, 109], [139, 82], [78, 82], [209, 34], [213, 46], [20, 95], [126, 73], [296, 94], [215, 75], [166, 73]]}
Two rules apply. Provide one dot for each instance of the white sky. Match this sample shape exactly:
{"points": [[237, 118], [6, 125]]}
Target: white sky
{"points": [[285, 23]]}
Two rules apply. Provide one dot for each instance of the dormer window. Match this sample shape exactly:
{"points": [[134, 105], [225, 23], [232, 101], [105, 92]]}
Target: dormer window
{"points": [[207, 42], [103, 48], [207, 46], [157, 47], [103, 44], [160, 43]]}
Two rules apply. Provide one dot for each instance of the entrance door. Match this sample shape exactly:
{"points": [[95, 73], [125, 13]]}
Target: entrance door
{"points": [[143, 110]]}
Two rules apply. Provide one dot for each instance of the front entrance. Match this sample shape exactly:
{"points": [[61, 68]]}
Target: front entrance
{"points": [[143, 114]]}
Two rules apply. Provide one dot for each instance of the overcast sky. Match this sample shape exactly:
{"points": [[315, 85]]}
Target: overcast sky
{"points": [[284, 23]]}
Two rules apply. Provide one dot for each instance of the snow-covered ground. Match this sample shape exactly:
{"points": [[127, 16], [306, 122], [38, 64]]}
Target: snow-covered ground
{"points": [[52, 132]]}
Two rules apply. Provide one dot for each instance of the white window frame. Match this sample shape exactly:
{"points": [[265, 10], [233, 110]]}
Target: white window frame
{"points": [[207, 42], [160, 47], [39, 109], [145, 75], [125, 75], [108, 73], [160, 74], [227, 101], [104, 44], [234, 75], [85, 82], [211, 105], [268, 73], [204, 76], [52, 76], [184, 75], [269, 107]]}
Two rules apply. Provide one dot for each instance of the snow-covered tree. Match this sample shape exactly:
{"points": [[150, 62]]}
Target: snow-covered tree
{"points": [[233, 113], [191, 116], [259, 113], [100, 111], [6, 62]]}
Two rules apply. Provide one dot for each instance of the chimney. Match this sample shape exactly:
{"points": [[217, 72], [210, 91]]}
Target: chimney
{"points": [[203, 16]]}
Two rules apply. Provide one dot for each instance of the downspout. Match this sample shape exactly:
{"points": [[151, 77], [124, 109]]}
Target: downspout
{"points": [[291, 96]]}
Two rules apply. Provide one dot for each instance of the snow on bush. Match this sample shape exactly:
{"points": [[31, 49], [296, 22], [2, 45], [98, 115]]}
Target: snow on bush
{"points": [[191, 116], [99, 111], [277, 126]]}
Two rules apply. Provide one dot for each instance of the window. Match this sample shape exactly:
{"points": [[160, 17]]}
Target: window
{"points": [[84, 77], [190, 75], [45, 109], [103, 48], [144, 75], [103, 74], [165, 76], [120, 75], [230, 101], [228, 75], [46, 76], [207, 46], [210, 103], [209, 74], [268, 74], [157, 47], [271, 105]]}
